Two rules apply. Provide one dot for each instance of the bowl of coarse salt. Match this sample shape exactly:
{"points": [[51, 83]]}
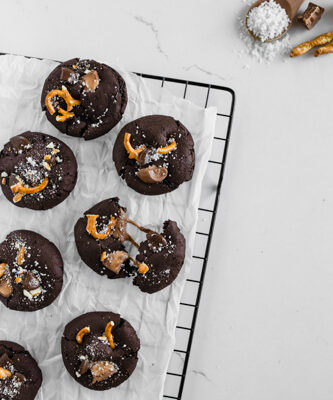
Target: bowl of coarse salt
{"points": [[268, 20]]}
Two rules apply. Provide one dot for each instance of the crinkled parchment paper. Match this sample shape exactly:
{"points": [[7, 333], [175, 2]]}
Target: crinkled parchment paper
{"points": [[153, 316]]}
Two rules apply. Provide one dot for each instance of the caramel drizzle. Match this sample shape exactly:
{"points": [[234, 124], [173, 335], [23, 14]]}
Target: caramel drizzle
{"points": [[70, 102], [134, 153]]}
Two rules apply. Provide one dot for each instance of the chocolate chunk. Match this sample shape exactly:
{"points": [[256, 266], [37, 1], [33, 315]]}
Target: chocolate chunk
{"points": [[84, 366], [102, 370], [115, 260], [66, 74], [119, 231], [6, 288], [20, 143], [30, 281], [311, 15], [143, 157], [156, 240], [19, 377], [90, 80], [152, 174], [4, 359]]}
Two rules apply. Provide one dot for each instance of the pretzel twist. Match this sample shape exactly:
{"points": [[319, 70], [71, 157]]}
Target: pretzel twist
{"points": [[307, 46]]}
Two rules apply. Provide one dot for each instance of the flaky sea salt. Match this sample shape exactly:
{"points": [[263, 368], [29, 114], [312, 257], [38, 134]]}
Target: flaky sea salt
{"points": [[261, 52], [268, 21]]}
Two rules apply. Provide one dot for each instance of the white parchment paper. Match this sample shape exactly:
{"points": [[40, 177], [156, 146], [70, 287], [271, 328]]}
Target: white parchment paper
{"points": [[153, 316]]}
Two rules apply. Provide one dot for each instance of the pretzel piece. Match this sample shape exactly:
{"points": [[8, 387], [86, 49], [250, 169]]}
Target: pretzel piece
{"points": [[20, 256], [324, 50], [92, 229], [64, 93], [132, 153], [307, 46], [109, 335], [167, 149]]}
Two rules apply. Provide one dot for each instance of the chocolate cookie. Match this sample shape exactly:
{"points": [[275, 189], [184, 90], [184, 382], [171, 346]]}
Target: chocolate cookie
{"points": [[37, 171], [84, 98], [31, 271], [154, 154], [100, 350], [20, 376], [101, 235]]}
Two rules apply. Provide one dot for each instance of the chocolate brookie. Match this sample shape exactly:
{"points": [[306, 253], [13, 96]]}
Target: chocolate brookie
{"points": [[84, 98], [100, 350], [102, 241], [37, 171], [154, 154], [20, 376], [31, 271]]}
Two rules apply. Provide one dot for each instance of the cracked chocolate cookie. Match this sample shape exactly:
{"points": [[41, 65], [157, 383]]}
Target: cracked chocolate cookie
{"points": [[154, 154], [100, 350], [20, 376], [37, 171], [84, 98], [102, 241], [31, 271]]}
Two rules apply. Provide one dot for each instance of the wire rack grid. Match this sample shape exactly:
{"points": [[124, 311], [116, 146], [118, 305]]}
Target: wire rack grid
{"points": [[224, 99]]}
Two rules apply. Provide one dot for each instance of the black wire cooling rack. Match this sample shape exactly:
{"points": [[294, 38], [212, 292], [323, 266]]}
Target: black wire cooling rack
{"points": [[224, 99]]}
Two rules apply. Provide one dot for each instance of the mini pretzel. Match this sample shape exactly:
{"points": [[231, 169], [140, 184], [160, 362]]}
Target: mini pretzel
{"points": [[5, 373], [324, 50], [3, 267], [21, 190], [92, 230], [133, 153], [108, 333], [20, 256], [307, 46], [167, 149], [64, 93], [79, 336]]}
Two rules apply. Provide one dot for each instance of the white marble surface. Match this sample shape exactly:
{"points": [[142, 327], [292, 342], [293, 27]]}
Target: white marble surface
{"points": [[265, 328]]}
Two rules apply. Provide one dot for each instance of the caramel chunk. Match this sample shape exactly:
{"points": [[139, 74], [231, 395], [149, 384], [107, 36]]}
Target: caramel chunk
{"points": [[311, 15], [102, 370], [66, 74], [84, 366], [143, 157], [20, 143], [90, 81], [30, 281], [115, 260], [152, 174], [5, 373], [6, 288], [156, 240]]}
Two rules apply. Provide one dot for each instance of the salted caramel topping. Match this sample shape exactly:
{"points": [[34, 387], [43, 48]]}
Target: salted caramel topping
{"points": [[114, 260], [132, 153], [90, 80], [20, 256], [3, 267], [152, 174], [92, 229], [108, 333], [102, 370], [64, 93], [5, 373], [167, 149], [80, 335]]}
